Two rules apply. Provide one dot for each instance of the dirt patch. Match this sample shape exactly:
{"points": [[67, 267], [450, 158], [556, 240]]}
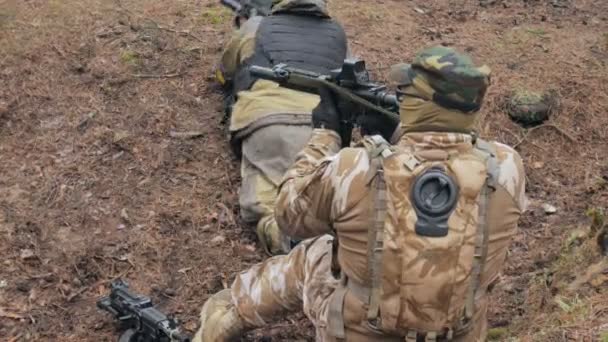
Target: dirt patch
{"points": [[93, 185]]}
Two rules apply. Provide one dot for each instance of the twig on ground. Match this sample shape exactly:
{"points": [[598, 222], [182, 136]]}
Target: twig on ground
{"points": [[561, 131], [186, 135], [180, 32], [10, 315], [42, 275], [77, 293], [519, 139], [228, 177], [15, 338], [157, 76]]}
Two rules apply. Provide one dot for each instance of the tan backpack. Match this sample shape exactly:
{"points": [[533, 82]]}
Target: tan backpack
{"points": [[428, 244]]}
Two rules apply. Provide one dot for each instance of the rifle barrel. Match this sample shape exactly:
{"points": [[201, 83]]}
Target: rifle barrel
{"points": [[234, 5], [308, 82]]}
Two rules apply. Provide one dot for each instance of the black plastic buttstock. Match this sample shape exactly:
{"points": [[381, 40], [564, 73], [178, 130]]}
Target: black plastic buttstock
{"points": [[264, 73]]}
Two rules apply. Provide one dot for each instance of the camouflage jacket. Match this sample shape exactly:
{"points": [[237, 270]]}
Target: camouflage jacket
{"points": [[328, 190], [265, 100]]}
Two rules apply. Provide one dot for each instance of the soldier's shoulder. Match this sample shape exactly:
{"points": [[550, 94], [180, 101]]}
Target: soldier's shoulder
{"points": [[511, 171], [353, 157]]}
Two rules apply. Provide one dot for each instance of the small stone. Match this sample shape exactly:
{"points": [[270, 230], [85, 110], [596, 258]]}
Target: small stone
{"points": [[27, 254], [3, 284], [549, 209], [124, 215]]}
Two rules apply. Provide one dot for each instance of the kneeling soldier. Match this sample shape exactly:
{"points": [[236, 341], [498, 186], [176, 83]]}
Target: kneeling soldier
{"points": [[417, 220]]}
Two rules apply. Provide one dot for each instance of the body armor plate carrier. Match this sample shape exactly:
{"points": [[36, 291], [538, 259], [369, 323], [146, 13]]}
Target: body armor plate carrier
{"points": [[301, 41]]}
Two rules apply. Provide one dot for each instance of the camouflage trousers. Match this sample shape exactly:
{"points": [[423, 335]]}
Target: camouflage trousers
{"points": [[302, 280], [266, 155]]}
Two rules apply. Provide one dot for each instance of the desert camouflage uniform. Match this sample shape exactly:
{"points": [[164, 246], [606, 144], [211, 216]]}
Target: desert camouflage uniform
{"points": [[269, 125], [333, 191]]}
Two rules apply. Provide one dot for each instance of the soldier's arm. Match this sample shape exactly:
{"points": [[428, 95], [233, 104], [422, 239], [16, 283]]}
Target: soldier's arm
{"points": [[304, 203], [240, 47], [506, 206]]}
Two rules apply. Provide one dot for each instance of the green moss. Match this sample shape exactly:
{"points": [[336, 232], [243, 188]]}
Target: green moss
{"points": [[525, 97], [130, 57], [215, 16], [604, 336], [598, 218], [497, 334], [537, 32]]}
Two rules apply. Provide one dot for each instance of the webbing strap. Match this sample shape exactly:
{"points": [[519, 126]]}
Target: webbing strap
{"points": [[487, 150], [375, 239], [335, 321], [380, 149], [412, 336], [480, 251], [430, 337], [377, 242]]}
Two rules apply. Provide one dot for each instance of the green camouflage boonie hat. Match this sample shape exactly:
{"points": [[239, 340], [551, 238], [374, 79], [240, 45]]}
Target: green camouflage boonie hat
{"points": [[301, 5], [446, 77]]}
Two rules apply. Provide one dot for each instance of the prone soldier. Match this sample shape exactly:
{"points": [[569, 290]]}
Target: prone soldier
{"points": [[270, 124], [406, 231]]}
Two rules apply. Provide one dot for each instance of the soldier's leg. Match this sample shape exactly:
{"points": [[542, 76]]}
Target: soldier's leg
{"points": [[271, 289], [267, 153], [479, 329], [257, 198]]}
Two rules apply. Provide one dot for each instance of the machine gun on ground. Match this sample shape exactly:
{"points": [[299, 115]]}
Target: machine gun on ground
{"points": [[142, 321], [351, 84], [247, 8]]}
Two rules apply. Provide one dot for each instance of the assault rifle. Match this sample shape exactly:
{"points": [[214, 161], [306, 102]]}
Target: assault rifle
{"points": [[351, 84], [142, 321], [247, 8]]}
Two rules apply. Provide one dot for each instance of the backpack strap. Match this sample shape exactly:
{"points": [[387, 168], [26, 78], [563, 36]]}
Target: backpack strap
{"points": [[487, 151], [375, 241]]}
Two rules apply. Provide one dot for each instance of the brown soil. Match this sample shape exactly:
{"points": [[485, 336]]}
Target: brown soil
{"points": [[93, 185]]}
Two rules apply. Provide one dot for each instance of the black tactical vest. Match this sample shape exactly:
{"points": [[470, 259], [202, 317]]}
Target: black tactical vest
{"points": [[301, 41]]}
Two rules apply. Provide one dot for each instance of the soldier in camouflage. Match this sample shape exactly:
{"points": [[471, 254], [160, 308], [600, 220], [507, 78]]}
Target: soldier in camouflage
{"points": [[270, 124], [417, 220]]}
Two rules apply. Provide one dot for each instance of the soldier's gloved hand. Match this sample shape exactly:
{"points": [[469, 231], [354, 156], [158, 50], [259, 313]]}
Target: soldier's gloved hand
{"points": [[326, 114], [375, 123]]}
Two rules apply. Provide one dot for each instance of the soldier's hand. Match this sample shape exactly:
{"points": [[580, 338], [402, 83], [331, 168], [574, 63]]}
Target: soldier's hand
{"points": [[326, 114], [375, 123]]}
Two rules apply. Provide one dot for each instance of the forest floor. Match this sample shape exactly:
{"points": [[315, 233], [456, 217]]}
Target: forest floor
{"points": [[97, 183]]}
